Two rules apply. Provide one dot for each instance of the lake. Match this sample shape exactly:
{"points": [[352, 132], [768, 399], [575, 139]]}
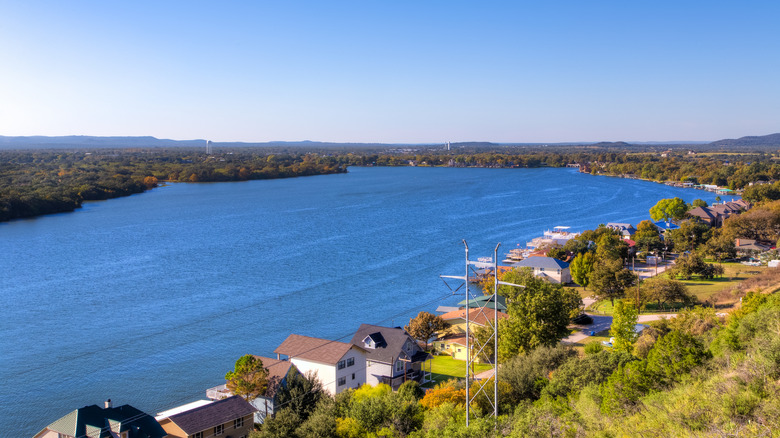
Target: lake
{"points": [[150, 299]]}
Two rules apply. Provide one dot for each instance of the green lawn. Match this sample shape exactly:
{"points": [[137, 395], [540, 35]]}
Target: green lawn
{"points": [[733, 274], [445, 368]]}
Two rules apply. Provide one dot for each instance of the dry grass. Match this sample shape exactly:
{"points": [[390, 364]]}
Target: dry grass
{"points": [[767, 281]]}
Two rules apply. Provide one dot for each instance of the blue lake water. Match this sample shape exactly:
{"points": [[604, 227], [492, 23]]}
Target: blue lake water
{"points": [[150, 299]]}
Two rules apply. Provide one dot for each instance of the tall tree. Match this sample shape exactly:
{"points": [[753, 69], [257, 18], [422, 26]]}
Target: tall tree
{"points": [[624, 316], [424, 325], [610, 279], [690, 235], [647, 236], [538, 314], [581, 267], [667, 209], [249, 379]]}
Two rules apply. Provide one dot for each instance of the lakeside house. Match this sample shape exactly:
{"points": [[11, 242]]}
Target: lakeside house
{"points": [[625, 230], [392, 356], [548, 268], [231, 417], [715, 215], [453, 341], [93, 421], [278, 372], [338, 365]]}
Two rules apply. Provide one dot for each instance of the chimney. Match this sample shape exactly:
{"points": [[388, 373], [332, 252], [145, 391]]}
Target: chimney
{"points": [[737, 243], [108, 404]]}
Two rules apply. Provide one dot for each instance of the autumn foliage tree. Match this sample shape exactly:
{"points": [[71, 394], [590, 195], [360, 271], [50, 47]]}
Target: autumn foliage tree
{"points": [[249, 379], [424, 325], [446, 392]]}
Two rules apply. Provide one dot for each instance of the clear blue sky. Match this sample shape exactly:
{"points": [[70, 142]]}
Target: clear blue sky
{"points": [[391, 71]]}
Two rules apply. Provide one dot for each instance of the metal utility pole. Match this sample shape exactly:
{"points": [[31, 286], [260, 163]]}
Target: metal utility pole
{"points": [[479, 346]]}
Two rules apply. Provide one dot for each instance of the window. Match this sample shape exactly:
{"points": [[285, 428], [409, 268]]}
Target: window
{"points": [[123, 435], [198, 435], [218, 430], [342, 381], [350, 361], [238, 422], [399, 366], [342, 364], [442, 346], [353, 376], [458, 350]]}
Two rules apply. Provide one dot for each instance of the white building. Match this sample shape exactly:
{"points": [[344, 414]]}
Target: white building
{"points": [[337, 364]]}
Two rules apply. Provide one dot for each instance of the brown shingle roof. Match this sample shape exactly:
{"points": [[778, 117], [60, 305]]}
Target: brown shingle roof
{"points": [[477, 316], [313, 349], [277, 371], [213, 414]]}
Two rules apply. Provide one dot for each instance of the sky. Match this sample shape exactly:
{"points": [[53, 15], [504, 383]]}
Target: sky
{"points": [[391, 71]]}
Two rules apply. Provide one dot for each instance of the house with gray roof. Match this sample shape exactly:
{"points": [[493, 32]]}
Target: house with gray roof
{"points": [[392, 356], [109, 422], [625, 230], [548, 268], [231, 417]]}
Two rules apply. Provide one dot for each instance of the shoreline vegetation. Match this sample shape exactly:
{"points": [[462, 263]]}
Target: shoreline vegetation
{"points": [[36, 182]]}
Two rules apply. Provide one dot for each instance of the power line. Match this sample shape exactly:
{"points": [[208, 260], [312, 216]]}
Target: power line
{"points": [[392, 317]]}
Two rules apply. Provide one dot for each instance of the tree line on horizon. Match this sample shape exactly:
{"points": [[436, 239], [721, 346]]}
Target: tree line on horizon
{"points": [[36, 182]]}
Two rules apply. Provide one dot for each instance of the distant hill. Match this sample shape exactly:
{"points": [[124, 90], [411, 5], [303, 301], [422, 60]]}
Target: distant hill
{"points": [[85, 141], [763, 140]]}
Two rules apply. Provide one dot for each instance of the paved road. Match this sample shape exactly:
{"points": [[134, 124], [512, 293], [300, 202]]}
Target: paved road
{"points": [[602, 322]]}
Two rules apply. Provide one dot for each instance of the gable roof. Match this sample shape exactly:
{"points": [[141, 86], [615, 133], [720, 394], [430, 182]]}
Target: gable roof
{"points": [[394, 339], [477, 316], [213, 414], [486, 301], [313, 349], [542, 262], [97, 422], [277, 372]]}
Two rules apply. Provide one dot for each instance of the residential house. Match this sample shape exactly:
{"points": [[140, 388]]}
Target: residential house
{"points": [[549, 268], [716, 214], [392, 356], [707, 215], [625, 230], [231, 417], [278, 371], [663, 225], [453, 342], [108, 422], [484, 301], [337, 364]]}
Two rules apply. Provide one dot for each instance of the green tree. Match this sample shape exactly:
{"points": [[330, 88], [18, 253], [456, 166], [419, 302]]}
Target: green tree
{"points": [[667, 209], [647, 237], [624, 316], [581, 267], [664, 290], [538, 313], [249, 379], [698, 203], [301, 394], [675, 355], [691, 234], [424, 325], [610, 279]]}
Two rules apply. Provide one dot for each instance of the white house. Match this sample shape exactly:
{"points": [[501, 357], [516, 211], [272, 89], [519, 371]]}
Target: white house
{"points": [[549, 268], [337, 364]]}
